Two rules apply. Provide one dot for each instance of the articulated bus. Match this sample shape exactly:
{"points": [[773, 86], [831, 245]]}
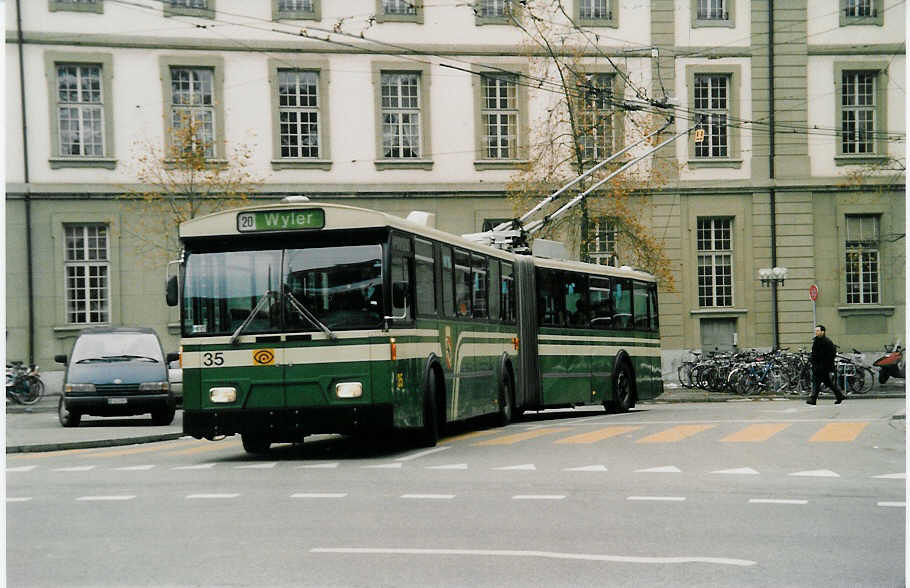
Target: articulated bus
{"points": [[301, 318]]}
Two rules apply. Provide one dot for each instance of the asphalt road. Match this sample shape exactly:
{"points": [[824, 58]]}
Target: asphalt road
{"points": [[724, 494]]}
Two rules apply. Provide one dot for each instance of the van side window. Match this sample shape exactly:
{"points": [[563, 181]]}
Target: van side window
{"points": [[602, 305], [448, 290], [462, 283], [507, 290], [426, 277]]}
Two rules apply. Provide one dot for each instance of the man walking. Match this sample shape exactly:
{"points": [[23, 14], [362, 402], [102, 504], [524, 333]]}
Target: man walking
{"points": [[823, 352]]}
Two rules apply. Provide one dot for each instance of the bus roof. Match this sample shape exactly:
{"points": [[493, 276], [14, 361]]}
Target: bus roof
{"points": [[329, 216]]}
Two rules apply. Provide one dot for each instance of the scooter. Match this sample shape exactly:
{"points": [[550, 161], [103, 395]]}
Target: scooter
{"points": [[891, 365]]}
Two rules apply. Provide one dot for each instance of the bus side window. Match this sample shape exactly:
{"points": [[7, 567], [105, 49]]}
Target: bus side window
{"points": [[640, 306], [508, 293], [401, 274], [551, 306], [426, 277], [448, 290], [479, 285], [493, 292], [653, 308], [602, 307], [622, 296], [462, 283], [575, 294]]}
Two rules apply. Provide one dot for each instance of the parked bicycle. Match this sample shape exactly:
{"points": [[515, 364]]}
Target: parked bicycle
{"points": [[850, 372], [23, 384]]}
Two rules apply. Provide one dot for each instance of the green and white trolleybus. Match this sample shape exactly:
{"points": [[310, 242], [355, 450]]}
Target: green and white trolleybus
{"points": [[300, 318]]}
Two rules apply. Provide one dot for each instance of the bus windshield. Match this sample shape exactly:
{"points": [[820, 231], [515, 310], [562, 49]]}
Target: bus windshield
{"points": [[339, 286]]}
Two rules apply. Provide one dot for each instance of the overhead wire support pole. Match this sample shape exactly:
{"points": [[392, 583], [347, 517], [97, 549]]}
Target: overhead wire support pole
{"points": [[508, 224], [539, 224]]}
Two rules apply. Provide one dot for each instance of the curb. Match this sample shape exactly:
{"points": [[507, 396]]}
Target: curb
{"points": [[43, 447]]}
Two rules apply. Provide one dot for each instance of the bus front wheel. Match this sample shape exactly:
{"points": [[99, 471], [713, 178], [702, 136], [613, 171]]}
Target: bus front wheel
{"points": [[623, 394], [255, 444], [428, 434], [506, 401]]}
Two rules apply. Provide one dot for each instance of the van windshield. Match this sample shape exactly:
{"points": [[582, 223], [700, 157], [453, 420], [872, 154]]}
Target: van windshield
{"points": [[107, 347]]}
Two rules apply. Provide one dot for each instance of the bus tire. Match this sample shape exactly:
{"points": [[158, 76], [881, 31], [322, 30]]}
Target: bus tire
{"points": [[428, 434], [255, 444], [506, 399], [623, 390]]}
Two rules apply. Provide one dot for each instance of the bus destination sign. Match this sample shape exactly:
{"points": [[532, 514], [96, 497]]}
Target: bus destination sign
{"points": [[280, 220]]}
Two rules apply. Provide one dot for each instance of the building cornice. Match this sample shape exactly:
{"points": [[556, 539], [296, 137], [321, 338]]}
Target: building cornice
{"points": [[852, 50]]}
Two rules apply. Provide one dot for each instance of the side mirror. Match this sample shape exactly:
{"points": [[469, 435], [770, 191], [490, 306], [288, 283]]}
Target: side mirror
{"points": [[60, 359], [172, 357], [171, 291]]}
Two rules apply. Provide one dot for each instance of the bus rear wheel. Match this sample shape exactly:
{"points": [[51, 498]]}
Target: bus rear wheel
{"points": [[506, 401], [428, 434], [623, 394], [255, 444]]}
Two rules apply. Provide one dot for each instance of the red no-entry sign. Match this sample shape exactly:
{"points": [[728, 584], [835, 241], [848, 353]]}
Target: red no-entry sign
{"points": [[813, 292]]}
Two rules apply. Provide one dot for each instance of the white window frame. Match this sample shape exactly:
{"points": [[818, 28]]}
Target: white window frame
{"points": [[90, 260], [713, 13], [596, 117], [714, 250], [85, 112], [603, 245], [96, 6], [716, 113], [169, 63], [400, 109], [305, 129], [862, 260]]}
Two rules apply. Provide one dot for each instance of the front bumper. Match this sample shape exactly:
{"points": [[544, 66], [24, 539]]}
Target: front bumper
{"points": [[286, 424], [118, 405]]}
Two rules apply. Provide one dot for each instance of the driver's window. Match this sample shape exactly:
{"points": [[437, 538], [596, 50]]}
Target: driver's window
{"points": [[402, 256]]}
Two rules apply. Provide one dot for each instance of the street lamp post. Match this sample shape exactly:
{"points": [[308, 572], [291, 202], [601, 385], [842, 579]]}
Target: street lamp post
{"points": [[771, 277]]}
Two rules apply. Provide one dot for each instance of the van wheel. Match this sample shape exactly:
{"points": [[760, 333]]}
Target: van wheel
{"points": [[428, 434], [255, 444], [68, 418], [163, 416]]}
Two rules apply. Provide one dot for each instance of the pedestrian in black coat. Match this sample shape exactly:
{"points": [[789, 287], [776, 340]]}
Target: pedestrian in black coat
{"points": [[823, 353]]}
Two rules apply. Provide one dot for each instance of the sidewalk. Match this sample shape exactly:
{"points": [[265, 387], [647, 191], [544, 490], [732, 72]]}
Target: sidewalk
{"points": [[36, 428]]}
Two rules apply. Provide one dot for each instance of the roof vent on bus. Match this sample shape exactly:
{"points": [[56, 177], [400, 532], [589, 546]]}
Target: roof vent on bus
{"points": [[290, 199], [424, 219], [549, 249]]}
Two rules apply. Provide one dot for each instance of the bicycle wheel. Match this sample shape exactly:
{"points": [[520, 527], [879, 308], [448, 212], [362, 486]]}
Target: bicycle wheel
{"points": [[862, 381], [35, 389]]}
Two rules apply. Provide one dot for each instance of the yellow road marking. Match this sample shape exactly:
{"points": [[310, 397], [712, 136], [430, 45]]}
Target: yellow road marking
{"points": [[674, 434], [470, 435], [209, 446], [600, 434], [838, 432], [511, 439], [130, 451], [38, 455], [756, 433]]}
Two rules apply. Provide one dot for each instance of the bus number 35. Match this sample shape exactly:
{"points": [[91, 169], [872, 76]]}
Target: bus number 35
{"points": [[212, 359]]}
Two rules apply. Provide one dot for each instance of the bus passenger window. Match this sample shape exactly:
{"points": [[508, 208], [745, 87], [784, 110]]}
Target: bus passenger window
{"points": [[551, 300], [640, 306], [602, 306], [448, 291], [401, 274], [653, 308], [479, 285], [462, 283], [622, 296], [507, 291], [426, 277], [493, 292], [575, 293]]}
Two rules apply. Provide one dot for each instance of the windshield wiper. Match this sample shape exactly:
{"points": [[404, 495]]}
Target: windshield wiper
{"points": [[91, 359], [309, 316], [259, 306], [128, 357]]}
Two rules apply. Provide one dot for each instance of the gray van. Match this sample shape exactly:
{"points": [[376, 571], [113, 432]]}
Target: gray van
{"points": [[116, 372]]}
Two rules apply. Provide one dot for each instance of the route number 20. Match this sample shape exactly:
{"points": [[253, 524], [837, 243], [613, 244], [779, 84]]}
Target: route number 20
{"points": [[210, 359]]}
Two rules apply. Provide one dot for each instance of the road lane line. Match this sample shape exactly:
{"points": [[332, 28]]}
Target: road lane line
{"points": [[776, 501], [421, 453], [135, 468], [599, 435], [211, 496], [816, 474], [674, 434], [658, 498], [756, 433], [897, 504], [318, 466], [539, 497], [428, 496], [517, 437], [199, 466], [902, 476], [85, 468], [257, 466], [451, 466], [19, 499], [21, 468], [104, 498], [838, 433], [319, 495], [536, 555]]}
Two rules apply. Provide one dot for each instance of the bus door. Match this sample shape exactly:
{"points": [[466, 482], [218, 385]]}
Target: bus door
{"points": [[527, 388]]}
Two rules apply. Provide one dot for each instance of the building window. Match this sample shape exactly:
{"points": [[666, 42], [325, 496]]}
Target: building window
{"points": [[711, 93], [399, 11], [87, 270], [76, 5], [193, 103], [858, 106], [596, 13], [201, 8], [400, 105], [862, 258], [296, 10], [492, 11], [499, 114], [595, 118], [712, 13], [80, 111], [861, 12], [298, 113], [398, 7], [603, 243], [715, 261]]}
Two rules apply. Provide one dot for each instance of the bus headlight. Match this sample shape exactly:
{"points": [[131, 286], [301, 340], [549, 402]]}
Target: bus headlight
{"points": [[223, 395], [348, 390]]}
